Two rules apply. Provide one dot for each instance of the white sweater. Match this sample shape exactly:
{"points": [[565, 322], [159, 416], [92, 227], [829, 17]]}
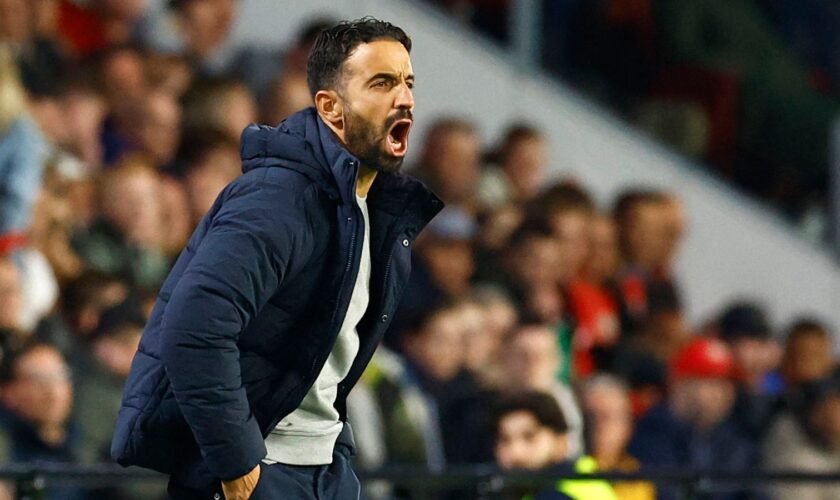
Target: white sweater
{"points": [[307, 435]]}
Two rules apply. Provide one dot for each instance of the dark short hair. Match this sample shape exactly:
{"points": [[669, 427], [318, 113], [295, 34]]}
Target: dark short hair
{"points": [[804, 327], [561, 198], [16, 351], [515, 134], [334, 45], [543, 407]]}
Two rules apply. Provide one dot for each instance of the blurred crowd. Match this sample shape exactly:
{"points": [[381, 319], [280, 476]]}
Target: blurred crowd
{"points": [[539, 329], [750, 87]]}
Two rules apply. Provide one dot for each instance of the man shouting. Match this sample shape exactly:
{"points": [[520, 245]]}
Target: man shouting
{"points": [[275, 307]]}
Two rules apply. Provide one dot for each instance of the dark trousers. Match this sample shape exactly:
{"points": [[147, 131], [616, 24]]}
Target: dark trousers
{"points": [[335, 481]]}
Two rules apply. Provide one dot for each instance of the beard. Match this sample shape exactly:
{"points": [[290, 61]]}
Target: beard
{"points": [[366, 140]]}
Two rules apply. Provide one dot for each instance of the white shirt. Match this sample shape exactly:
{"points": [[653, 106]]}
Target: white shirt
{"points": [[307, 435]]}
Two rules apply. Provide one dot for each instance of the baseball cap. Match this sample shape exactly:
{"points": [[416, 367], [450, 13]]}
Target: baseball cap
{"points": [[703, 357]]}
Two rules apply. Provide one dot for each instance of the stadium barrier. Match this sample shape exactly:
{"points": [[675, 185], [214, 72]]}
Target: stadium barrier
{"points": [[32, 481]]}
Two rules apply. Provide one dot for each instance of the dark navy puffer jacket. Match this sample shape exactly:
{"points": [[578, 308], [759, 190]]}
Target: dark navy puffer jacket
{"points": [[252, 307]]}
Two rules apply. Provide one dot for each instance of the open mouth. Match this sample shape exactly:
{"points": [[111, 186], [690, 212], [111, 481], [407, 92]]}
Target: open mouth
{"points": [[398, 137]]}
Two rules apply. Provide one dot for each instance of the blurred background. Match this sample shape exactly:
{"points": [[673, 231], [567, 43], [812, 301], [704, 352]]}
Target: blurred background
{"points": [[637, 268]]}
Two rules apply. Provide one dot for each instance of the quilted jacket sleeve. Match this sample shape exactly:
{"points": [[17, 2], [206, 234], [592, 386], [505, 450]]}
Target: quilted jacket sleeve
{"points": [[236, 268]]}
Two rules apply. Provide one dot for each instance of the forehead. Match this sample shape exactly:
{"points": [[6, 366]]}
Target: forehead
{"points": [[518, 422], [379, 56]]}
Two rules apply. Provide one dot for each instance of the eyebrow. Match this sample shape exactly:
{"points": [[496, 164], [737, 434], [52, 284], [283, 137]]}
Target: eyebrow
{"points": [[389, 76]]}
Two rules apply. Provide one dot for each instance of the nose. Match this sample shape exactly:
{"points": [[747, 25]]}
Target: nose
{"points": [[404, 98]]}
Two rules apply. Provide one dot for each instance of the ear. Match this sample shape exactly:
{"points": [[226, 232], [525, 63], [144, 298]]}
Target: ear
{"points": [[331, 108]]}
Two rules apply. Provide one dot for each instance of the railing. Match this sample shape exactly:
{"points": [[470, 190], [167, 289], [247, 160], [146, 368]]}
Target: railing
{"points": [[477, 481]]}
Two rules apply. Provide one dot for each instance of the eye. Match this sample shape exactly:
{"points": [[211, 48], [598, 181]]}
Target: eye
{"points": [[380, 84], [410, 85]]}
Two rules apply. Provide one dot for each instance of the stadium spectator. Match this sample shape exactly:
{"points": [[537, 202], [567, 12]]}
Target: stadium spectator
{"points": [[692, 428], [649, 229], [83, 112], [224, 105], [100, 377], [177, 216], [534, 363], [450, 162], [745, 328], [55, 217], [436, 362], [435, 357], [208, 161], [665, 331], [531, 433], [168, 74], [287, 95], [808, 440], [609, 427], [530, 269], [566, 209], [30, 29], [86, 298], [22, 157], [808, 354], [203, 36], [498, 319], [37, 397], [126, 240], [405, 423], [592, 300], [518, 175]]}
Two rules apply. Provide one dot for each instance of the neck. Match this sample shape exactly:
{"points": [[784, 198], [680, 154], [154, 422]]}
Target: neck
{"points": [[607, 460], [52, 434], [365, 181]]}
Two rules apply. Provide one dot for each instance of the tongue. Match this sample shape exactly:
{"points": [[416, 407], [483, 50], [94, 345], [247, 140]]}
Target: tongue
{"points": [[397, 146]]}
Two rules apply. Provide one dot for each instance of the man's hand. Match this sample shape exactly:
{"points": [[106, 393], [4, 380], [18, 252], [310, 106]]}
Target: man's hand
{"points": [[241, 489]]}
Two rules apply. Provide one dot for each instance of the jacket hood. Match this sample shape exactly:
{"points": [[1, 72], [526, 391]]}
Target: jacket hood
{"points": [[303, 143]]}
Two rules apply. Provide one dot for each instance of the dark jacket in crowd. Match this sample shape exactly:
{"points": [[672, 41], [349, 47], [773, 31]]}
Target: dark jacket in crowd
{"points": [[20, 443], [662, 440], [250, 311]]}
